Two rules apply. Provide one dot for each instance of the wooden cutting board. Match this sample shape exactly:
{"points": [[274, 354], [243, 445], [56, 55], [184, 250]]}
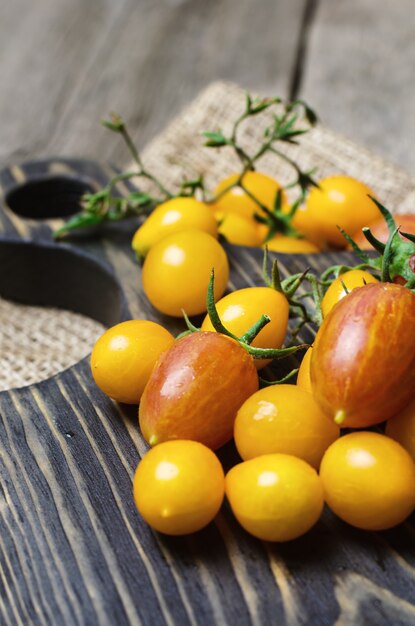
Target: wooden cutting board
{"points": [[74, 550]]}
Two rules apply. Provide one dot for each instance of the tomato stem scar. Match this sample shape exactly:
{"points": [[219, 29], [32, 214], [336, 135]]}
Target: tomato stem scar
{"points": [[340, 417]]}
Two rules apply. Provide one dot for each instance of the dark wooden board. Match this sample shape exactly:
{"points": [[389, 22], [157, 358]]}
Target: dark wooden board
{"points": [[73, 549]]}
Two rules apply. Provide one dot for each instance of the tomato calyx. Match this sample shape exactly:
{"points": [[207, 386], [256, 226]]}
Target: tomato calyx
{"points": [[244, 340], [290, 120], [395, 261], [278, 221], [288, 287]]}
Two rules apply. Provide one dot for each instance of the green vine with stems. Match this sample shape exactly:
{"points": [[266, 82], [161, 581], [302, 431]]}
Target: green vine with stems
{"points": [[289, 121], [393, 261], [107, 205], [248, 337]]}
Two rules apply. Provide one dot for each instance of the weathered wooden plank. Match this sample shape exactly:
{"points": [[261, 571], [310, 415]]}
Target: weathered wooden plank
{"points": [[358, 73], [44, 48], [66, 63]]}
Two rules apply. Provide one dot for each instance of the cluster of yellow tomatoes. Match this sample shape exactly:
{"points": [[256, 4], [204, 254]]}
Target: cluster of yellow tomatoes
{"points": [[328, 206], [292, 457], [179, 239]]}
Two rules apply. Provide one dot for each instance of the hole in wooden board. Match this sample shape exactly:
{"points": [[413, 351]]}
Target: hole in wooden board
{"points": [[54, 304], [47, 198]]}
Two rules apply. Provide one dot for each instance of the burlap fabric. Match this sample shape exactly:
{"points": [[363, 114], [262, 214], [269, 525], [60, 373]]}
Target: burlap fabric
{"points": [[37, 343], [177, 152]]}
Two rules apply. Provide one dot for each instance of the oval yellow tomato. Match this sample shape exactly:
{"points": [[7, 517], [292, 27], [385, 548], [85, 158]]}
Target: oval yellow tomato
{"points": [[262, 187], [340, 201], [305, 224], [173, 216], [238, 229], [283, 419], [291, 245], [124, 356], [179, 487], [275, 497], [263, 230], [176, 272], [240, 310], [369, 480], [303, 376], [401, 427], [337, 291]]}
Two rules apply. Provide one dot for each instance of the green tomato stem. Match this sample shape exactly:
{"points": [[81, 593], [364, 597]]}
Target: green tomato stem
{"points": [[386, 214], [250, 334], [212, 310], [273, 353], [408, 236], [191, 327], [280, 381], [360, 253], [256, 353], [387, 256], [378, 245], [276, 277]]}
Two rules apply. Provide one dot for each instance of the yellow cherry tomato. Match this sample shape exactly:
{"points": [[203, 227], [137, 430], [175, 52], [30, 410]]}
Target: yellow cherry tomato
{"points": [[303, 376], [340, 201], [275, 497], [262, 187], [179, 487], [262, 230], [291, 245], [336, 291], [402, 428], [124, 356], [240, 310], [173, 216], [311, 230], [284, 419], [176, 272], [369, 480], [238, 229]]}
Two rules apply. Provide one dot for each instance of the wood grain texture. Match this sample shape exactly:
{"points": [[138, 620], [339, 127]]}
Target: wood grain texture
{"points": [[358, 73], [65, 64], [73, 549]]}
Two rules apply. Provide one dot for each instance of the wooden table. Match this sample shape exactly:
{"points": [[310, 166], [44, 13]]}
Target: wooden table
{"points": [[65, 64]]}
